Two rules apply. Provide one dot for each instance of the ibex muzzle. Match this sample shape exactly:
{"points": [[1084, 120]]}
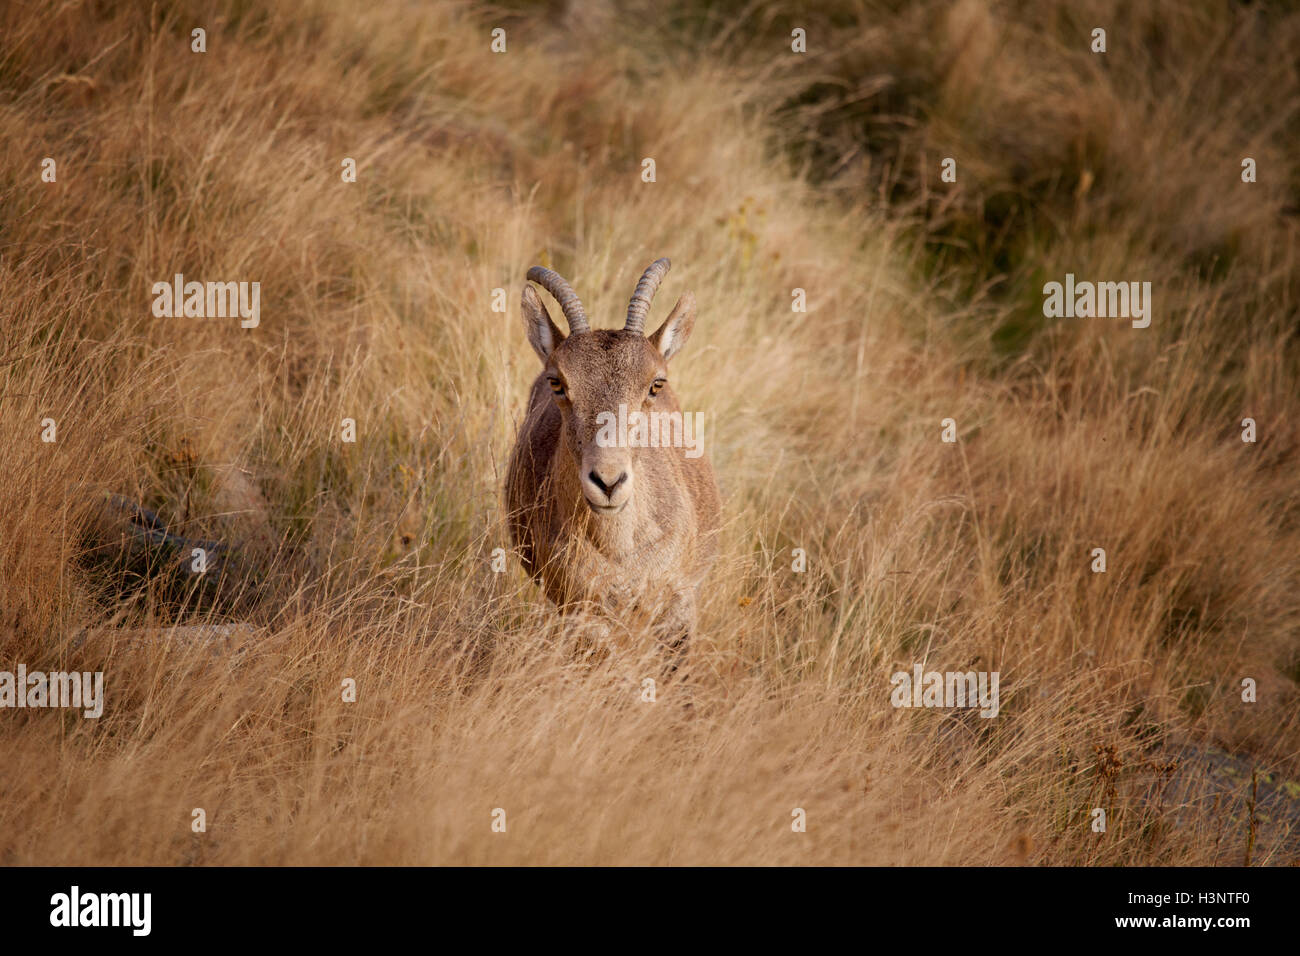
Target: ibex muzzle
{"points": [[599, 516]]}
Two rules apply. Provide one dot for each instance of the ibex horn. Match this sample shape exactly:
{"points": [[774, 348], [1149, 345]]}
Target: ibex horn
{"points": [[644, 294], [554, 283]]}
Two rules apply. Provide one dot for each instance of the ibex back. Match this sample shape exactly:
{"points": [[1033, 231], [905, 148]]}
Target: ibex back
{"points": [[622, 525]]}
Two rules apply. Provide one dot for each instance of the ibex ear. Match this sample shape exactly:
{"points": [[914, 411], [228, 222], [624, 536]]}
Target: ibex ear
{"points": [[672, 335], [543, 334]]}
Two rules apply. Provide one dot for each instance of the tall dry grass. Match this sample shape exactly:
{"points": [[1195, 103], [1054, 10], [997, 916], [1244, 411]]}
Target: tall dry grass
{"points": [[373, 561]]}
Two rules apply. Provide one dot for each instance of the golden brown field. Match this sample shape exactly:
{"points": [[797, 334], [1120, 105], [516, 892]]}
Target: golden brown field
{"points": [[775, 171]]}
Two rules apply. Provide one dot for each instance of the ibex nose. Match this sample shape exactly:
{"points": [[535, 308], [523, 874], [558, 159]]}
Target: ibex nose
{"points": [[604, 484]]}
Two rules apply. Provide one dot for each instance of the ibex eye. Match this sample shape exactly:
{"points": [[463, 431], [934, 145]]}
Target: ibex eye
{"points": [[656, 385], [557, 387]]}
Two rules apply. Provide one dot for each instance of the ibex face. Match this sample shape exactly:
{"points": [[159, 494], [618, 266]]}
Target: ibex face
{"points": [[598, 512], [596, 377]]}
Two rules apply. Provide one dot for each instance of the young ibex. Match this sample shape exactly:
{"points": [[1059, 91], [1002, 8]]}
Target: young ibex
{"points": [[600, 525]]}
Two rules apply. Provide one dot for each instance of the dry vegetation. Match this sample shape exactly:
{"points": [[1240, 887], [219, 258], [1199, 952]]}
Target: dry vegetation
{"points": [[373, 560]]}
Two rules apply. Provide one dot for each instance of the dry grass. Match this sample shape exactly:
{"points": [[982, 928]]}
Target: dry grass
{"points": [[372, 560]]}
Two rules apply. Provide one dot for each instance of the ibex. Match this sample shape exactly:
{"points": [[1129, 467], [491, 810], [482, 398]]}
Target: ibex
{"points": [[623, 528]]}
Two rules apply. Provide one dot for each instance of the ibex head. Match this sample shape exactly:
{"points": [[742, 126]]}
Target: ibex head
{"points": [[596, 370]]}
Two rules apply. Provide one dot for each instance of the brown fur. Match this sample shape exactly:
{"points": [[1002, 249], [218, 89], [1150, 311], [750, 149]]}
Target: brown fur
{"points": [[648, 559]]}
